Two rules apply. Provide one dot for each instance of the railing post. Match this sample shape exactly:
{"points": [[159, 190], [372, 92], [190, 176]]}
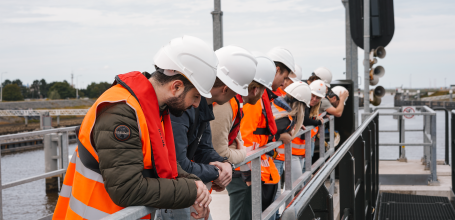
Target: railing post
{"points": [[452, 117], [434, 175], [64, 151], [52, 155], [288, 166], [347, 185], [402, 140], [322, 140], [256, 191], [1, 184], [308, 152]]}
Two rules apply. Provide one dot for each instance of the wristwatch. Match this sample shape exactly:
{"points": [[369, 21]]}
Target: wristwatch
{"points": [[232, 165]]}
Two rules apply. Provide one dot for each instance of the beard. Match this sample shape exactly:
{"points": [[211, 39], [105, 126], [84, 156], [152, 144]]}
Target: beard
{"points": [[176, 105]]}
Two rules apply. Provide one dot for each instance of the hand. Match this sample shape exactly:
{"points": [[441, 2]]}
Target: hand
{"points": [[286, 138], [321, 119], [344, 95], [217, 188], [303, 127], [203, 195], [248, 183], [240, 146], [225, 173], [201, 212]]}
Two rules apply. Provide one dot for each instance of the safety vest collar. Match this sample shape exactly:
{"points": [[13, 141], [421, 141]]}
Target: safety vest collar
{"points": [[163, 148]]}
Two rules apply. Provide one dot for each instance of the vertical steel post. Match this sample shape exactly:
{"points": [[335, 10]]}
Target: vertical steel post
{"points": [[321, 141], [256, 191], [402, 140], [288, 166], [434, 175], [347, 185], [308, 151], [352, 71], [64, 150], [427, 149], [217, 16], [366, 59]]}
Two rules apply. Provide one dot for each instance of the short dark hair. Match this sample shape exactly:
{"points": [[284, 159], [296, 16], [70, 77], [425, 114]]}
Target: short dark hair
{"points": [[313, 77], [163, 79], [282, 67], [218, 83]]}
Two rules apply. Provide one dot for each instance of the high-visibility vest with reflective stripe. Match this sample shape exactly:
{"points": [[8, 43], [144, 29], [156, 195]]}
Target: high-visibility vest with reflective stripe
{"points": [[237, 115], [83, 195], [253, 124]]}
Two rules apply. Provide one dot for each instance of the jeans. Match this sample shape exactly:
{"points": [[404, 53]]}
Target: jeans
{"points": [[176, 214]]}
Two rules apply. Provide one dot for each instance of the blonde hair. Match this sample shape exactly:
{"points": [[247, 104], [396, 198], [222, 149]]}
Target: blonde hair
{"points": [[298, 111], [314, 110]]}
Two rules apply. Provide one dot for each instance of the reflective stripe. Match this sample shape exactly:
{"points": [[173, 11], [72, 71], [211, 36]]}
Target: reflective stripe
{"points": [[85, 211], [298, 146], [73, 157], [66, 191], [280, 150], [86, 172]]}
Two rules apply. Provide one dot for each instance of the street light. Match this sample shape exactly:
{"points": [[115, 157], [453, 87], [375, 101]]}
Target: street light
{"points": [[1, 86], [77, 84]]}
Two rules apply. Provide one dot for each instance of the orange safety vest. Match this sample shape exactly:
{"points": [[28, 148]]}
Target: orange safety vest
{"points": [[279, 92], [237, 110], [83, 195], [255, 127]]}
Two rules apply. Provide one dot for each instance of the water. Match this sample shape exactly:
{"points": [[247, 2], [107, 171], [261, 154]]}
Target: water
{"points": [[30, 201], [27, 201]]}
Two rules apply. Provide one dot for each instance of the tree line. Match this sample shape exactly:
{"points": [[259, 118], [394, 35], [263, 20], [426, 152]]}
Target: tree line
{"points": [[39, 89]]}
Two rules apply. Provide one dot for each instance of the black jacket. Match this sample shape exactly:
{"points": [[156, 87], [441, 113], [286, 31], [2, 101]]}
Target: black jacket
{"points": [[204, 153]]}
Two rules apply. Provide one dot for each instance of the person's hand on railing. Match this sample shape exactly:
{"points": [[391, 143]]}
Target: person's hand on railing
{"points": [[202, 212], [225, 173], [303, 127], [286, 138], [203, 197], [240, 146], [321, 119]]}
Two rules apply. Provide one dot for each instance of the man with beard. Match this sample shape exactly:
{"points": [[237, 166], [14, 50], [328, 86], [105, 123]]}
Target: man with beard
{"points": [[126, 153], [226, 136], [192, 132]]}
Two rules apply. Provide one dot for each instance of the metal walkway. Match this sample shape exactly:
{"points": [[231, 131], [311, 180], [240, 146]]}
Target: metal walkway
{"points": [[415, 207]]}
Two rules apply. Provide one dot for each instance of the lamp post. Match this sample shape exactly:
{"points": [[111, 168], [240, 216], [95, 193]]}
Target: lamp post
{"points": [[77, 90], [1, 86]]}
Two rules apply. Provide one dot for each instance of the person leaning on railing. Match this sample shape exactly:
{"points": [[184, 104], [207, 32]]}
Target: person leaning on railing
{"points": [[193, 133], [226, 136], [126, 154]]}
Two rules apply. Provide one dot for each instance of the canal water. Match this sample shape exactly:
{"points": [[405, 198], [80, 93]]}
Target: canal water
{"points": [[30, 201]]}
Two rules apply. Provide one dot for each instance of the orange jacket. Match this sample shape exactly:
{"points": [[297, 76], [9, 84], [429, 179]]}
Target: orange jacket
{"points": [[83, 195], [253, 127]]}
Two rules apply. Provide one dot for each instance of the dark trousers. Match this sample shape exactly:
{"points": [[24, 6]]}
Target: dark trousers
{"points": [[240, 198]]}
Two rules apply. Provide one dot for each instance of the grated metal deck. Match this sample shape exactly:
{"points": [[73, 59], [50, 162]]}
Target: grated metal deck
{"points": [[414, 207]]}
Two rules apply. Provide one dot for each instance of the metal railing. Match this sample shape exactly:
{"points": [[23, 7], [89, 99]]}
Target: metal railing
{"points": [[63, 154], [452, 167], [52, 112], [254, 157], [429, 140], [357, 160]]}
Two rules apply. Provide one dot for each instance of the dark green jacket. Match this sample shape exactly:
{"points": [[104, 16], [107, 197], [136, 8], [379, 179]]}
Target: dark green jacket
{"points": [[121, 165]]}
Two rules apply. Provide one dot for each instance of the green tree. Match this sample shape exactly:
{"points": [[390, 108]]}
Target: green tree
{"points": [[54, 94], [12, 92], [64, 89], [94, 90], [43, 88], [6, 82]]}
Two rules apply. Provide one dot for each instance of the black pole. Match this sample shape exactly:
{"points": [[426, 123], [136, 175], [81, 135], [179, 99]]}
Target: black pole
{"points": [[446, 133]]}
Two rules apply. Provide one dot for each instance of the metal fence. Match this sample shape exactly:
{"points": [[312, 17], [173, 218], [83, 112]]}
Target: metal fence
{"points": [[357, 160], [254, 157], [63, 157], [429, 145]]}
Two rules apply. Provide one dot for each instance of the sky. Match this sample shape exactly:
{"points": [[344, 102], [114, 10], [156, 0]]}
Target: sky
{"points": [[96, 40]]}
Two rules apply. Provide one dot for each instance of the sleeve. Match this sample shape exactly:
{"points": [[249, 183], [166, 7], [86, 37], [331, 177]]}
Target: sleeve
{"points": [[307, 121], [184, 174], [282, 125], [325, 104], [222, 126], [180, 126], [205, 152], [121, 165]]}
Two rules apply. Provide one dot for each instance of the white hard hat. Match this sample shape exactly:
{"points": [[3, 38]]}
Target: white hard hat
{"points": [[191, 57], [282, 55], [300, 91], [338, 90], [236, 68], [324, 74], [298, 73], [318, 88], [265, 70]]}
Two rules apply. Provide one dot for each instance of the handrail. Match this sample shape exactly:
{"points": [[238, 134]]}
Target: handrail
{"points": [[35, 133], [33, 178], [303, 199]]}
